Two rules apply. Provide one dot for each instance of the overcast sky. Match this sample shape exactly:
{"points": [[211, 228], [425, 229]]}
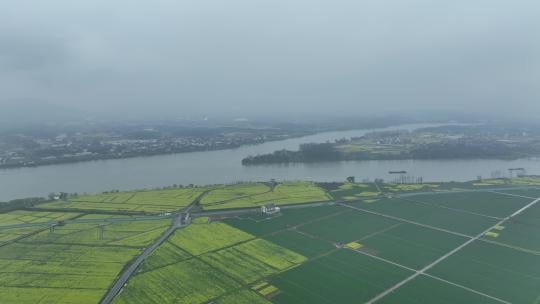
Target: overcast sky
{"points": [[242, 57]]}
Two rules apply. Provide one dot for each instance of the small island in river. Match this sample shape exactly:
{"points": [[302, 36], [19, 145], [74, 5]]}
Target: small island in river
{"points": [[447, 142]]}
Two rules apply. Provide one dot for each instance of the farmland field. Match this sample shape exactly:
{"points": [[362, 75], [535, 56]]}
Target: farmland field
{"points": [[257, 195], [344, 252], [21, 217], [506, 273], [341, 277], [299, 242], [347, 227], [238, 265], [427, 290], [231, 195], [214, 274], [487, 203], [261, 225], [201, 238], [250, 261], [411, 245], [191, 281], [70, 264], [151, 201], [242, 297], [431, 215], [351, 191]]}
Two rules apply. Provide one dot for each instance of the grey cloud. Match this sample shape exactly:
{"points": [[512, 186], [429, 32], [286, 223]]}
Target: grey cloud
{"points": [[278, 56]]}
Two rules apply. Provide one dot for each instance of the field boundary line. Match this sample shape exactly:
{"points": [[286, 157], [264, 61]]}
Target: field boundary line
{"points": [[449, 254], [453, 209], [237, 197], [407, 221], [525, 250], [466, 288], [444, 230], [431, 276], [510, 194], [378, 232], [465, 190]]}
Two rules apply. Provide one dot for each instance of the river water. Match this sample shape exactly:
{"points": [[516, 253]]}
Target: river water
{"points": [[224, 166]]}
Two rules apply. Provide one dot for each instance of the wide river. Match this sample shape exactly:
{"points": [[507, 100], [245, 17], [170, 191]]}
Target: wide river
{"points": [[224, 166]]}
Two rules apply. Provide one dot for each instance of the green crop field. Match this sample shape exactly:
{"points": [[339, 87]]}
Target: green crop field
{"points": [[427, 290], [190, 282], [135, 234], [341, 277], [398, 242], [410, 245], [75, 263], [166, 254], [261, 225], [213, 274], [410, 187], [20, 217], [485, 203], [11, 234], [431, 215], [276, 256], [200, 238], [529, 193], [230, 195], [300, 243], [347, 227], [283, 193], [522, 231], [248, 262], [151, 201], [238, 265], [349, 191], [506, 273], [308, 253], [242, 297]]}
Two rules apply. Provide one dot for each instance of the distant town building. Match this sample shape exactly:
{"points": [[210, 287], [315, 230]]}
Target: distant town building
{"points": [[270, 209], [350, 179]]}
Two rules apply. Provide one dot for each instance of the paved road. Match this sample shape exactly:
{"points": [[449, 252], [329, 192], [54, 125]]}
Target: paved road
{"points": [[444, 257], [178, 222]]}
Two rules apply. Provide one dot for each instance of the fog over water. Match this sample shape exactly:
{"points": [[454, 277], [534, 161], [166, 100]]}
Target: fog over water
{"points": [[239, 57]]}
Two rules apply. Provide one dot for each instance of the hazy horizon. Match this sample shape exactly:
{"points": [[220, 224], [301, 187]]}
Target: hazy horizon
{"points": [[272, 58]]}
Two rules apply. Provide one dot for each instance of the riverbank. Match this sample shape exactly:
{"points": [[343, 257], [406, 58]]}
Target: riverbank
{"points": [[224, 167], [443, 143]]}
